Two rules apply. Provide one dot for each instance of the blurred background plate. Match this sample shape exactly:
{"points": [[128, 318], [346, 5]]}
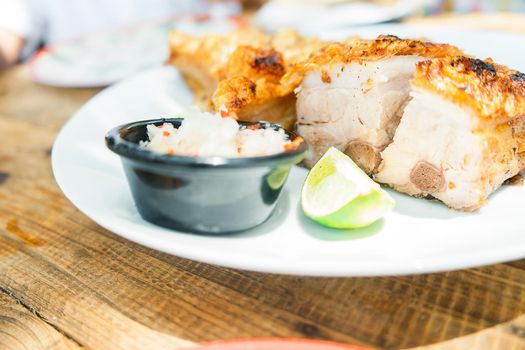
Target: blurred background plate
{"points": [[104, 58], [313, 16]]}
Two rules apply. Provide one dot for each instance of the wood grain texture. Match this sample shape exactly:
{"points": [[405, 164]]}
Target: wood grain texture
{"points": [[37, 104], [21, 329], [87, 287], [507, 336]]}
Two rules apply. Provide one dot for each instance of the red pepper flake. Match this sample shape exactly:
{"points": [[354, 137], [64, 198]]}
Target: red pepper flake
{"points": [[253, 127], [292, 146], [224, 113], [166, 133]]}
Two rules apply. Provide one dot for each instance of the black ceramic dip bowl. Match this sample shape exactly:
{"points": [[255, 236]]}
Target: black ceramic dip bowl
{"points": [[211, 195]]}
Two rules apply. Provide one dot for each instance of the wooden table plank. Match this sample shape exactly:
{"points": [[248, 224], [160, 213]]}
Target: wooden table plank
{"points": [[105, 292], [20, 329], [72, 306], [23, 100], [508, 336]]}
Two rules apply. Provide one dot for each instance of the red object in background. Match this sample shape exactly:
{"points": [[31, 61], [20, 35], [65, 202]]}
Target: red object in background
{"points": [[277, 344]]}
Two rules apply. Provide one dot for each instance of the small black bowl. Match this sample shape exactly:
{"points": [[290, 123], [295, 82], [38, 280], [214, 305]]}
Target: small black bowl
{"points": [[211, 195]]}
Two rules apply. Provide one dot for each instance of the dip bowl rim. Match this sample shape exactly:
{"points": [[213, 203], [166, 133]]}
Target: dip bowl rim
{"points": [[116, 142]]}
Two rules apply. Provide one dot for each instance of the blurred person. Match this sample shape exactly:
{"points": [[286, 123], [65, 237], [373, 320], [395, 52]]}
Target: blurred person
{"points": [[25, 25]]}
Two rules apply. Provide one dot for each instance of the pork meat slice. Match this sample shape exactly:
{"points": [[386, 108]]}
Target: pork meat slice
{"points": [[462, 134], [352, 96]]}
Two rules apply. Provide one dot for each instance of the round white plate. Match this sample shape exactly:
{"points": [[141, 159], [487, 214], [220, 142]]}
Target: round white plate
{"points": [[104, 58], [418, 236]]}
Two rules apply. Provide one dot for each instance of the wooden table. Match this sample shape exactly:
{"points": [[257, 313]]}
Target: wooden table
{"points": [[66, 283]]}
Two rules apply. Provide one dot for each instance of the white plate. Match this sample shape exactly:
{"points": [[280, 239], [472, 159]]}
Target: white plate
{"points": [[312, 17], [418, 236], [104, 58]]}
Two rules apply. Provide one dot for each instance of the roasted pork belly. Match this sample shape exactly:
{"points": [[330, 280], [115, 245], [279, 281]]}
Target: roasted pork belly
{"points": [[242, 70], [352, 96], [461, 135], [253, 90], [296, 48], [357, 110], [203, 60], [252, 99]]}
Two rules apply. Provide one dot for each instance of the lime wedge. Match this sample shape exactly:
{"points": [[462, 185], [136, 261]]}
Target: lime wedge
{"points": [[337, 193]]}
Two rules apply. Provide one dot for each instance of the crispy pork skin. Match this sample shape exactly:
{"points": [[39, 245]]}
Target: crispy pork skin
{"points": [[253, 91], [461, 135], [242, 71], [252, 99], [203, 60]]}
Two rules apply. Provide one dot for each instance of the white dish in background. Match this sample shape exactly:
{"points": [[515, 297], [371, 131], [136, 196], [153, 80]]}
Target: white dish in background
{"points": [[104, 58], [312, 17], [418, 236]]}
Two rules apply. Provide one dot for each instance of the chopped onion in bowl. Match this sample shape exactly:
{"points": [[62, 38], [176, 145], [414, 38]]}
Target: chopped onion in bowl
{"points": [[203, 134]]}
